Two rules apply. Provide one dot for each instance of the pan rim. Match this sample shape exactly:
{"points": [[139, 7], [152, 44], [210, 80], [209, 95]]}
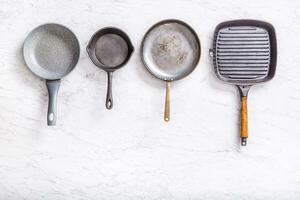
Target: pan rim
{"points": [[75, 60], [165, 21]]}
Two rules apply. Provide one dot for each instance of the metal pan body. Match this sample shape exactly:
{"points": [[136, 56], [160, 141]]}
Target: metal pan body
{"points": [[245, 52], [110, 48]]}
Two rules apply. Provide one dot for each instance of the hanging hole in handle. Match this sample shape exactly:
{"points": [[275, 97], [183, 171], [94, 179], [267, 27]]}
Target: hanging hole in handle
{"points": [[51, 117], [167, 119], [109, 104]]}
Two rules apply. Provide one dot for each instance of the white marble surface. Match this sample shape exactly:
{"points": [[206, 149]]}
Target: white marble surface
{"points": [[129, 153]]}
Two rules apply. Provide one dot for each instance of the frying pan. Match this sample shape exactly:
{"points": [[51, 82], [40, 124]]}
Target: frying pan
{"points": [[170, 51], [110, 49], [244, 53], [51, 51]]}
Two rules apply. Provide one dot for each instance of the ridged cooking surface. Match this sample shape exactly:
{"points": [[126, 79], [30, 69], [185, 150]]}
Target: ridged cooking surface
{"points": [[243, 53]]}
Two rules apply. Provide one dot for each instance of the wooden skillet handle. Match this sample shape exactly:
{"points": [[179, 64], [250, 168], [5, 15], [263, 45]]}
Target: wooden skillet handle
{"points": [[244, 121], [167, 102]]}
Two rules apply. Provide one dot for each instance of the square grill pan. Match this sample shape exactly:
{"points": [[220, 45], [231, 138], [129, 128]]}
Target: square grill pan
{"points": [[244, 53]]}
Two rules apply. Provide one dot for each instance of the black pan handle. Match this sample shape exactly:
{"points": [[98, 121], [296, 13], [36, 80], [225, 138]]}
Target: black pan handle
{"points": [[52, 86], [109, 98]]}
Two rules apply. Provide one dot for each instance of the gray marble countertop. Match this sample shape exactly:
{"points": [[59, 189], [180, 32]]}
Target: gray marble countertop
{"points": [[129, 152]]}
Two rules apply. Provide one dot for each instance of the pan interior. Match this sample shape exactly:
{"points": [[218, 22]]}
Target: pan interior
{"points": [[111, 50], [51, 51], [170, 51], [242, 54]]}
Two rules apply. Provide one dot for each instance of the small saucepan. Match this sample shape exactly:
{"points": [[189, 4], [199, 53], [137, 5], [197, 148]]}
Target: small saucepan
{"points": [[51, 51], [110, 49], [170, 51]]}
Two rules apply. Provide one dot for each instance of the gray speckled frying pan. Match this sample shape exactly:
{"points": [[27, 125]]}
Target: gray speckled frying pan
{"points": [[51, 51], [170, 51]]}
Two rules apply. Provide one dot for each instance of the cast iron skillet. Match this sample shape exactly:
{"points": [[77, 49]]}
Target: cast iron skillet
{"points": [[110, 49]]}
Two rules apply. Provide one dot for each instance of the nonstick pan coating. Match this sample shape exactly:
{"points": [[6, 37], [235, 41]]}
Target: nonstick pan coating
{"points": [[51, 51], [170, 50]]}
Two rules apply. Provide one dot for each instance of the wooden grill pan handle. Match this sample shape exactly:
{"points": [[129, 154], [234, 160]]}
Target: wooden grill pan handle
{"points": [[244, 121]]}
